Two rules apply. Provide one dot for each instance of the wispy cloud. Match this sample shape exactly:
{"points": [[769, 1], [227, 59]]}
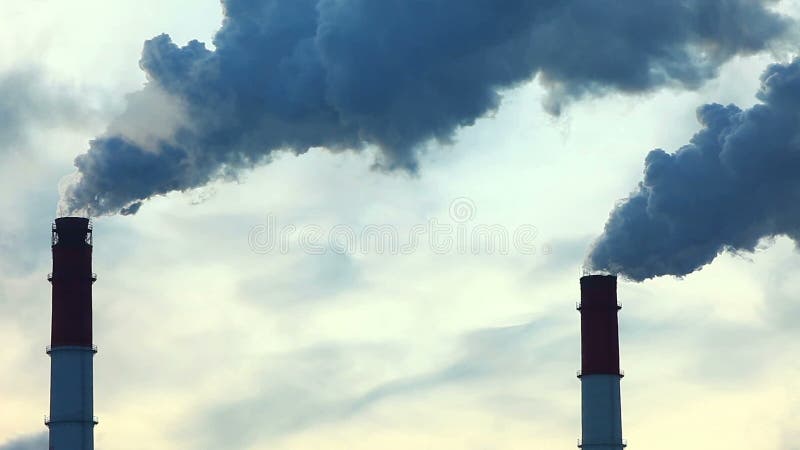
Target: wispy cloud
{"points": [[31, 102], [318, 385], [32, 442]]}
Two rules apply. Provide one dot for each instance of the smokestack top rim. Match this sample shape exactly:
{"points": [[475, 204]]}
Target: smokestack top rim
{"points": [[598, 277], [72, 221], [599, 290], [71, 232]]}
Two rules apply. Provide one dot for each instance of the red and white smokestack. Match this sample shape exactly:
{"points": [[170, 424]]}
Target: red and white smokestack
{"points": [[601, 410], [71, 420]]}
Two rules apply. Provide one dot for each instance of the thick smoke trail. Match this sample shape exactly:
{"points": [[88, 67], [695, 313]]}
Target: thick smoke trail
{"points": [[735, 183], [344, 74]]}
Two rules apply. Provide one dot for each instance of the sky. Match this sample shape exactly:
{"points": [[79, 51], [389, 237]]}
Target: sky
{"points": [[210, 338]]}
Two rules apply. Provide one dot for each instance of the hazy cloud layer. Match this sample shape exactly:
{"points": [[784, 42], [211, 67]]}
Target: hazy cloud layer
{"points": [[300, 399], [29, 102], [734, 184], [32, 442], [297, 74]]}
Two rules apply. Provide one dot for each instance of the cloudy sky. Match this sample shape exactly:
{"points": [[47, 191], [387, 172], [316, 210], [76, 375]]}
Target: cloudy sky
{"points": [[210, 338]]}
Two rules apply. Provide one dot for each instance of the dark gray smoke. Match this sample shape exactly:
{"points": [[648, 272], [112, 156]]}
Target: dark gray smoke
{"points": [[393, 74], [735, 183]]}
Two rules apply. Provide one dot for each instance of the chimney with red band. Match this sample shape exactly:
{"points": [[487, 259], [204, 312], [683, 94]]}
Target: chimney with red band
{"points": [[71, 420], [601, 411]]}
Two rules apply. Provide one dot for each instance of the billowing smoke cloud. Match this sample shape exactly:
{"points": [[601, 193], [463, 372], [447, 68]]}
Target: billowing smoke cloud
{"points": [[735, 183], [344, 74]]}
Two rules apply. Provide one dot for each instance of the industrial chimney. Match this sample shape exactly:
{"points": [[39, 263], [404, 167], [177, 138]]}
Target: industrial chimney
{"points": [[601, 410], [71, 420]]}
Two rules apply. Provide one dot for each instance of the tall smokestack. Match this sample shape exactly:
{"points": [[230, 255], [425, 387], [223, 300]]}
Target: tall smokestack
{"points": [[601, 410], [71, 421]]}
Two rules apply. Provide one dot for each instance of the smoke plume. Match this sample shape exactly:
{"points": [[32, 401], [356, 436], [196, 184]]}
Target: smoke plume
{"points": [[345, 74], [735, 183]]}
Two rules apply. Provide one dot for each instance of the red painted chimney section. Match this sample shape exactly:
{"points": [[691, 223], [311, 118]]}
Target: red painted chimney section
{"points": [[72, 280], [599, 325]]}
